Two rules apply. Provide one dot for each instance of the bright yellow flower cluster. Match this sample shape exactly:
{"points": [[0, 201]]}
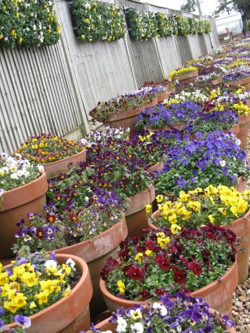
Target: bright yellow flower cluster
{"points": [[241, 108], [26, 287], [217, 205], [181, 71]]}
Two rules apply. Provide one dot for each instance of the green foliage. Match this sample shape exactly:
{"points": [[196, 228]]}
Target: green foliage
{"points": [[28, 23], [167, 26], [142, 25], [98, 20]]}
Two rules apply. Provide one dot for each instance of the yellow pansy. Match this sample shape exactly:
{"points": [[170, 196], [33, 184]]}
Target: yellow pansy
{"points": [[172, 218], [184, 196], [149, 253], [163, 241], [121, 286], [139, 257], [175, 228], [211, 218], [29, 279], [148, 208], [67, 291], [42, 297], [4, 278], [159, 198]]}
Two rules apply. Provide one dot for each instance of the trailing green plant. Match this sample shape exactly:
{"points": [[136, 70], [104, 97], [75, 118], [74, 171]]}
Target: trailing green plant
{"points": [[28, 23], [98, 20], [142, 25], [182, 25]]}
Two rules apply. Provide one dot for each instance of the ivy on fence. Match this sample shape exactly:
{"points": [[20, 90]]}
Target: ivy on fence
{"points": [[97, 20], [28, 23]]}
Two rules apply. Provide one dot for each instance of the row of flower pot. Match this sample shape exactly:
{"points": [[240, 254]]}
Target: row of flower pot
{"points": [[101, 251]]}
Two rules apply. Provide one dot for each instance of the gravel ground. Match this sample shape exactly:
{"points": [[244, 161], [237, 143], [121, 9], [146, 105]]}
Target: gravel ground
{"points": [[241, 296]]}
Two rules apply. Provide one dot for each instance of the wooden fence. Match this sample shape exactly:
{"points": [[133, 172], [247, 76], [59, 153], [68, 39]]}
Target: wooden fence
{"points": [[52, 89]]}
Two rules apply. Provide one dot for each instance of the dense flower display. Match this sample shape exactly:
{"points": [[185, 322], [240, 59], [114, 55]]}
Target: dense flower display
{"points": [[162, 115], [32, 23], [162, 262], [174, 311], [98, 20], [46, 148], [15, 172], [219, 205], [214, 159], [33, 283], [54, 231]]}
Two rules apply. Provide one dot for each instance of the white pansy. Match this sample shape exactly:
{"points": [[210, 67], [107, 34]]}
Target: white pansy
{"points": [[137, 328], [70, 262], [50, 263], [161, 308], [121, 325], [222, 163]]}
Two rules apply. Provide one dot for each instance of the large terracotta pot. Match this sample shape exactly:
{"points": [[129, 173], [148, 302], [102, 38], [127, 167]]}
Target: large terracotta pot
{"points": [[235, 129], [106, 325], [96, 252], [125, 118], [156, 167], [243, 130], [70, 314], [136, 217], [53, 169], [165, 95], [217, 294], [15, 205], [241, 228], [187, 78]]}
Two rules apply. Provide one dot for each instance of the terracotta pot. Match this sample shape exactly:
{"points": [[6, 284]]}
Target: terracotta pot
{"points": [[152, 104], [241, 186], [243, 130], [15, 205], [53, 169], [136, 217], [125, 118], [163, 96], [106, 325], [179, 127], [217, 294], [69, 314], [216, 82], [96, 252], [187, 78], [156, 167], [241, 228], [243, 82]]}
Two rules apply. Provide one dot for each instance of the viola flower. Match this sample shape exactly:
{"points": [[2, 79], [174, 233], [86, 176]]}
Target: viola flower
{"points": [[195, 268], [176, 266]]}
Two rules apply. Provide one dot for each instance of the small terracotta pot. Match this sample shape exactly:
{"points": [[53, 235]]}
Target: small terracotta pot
{"points": [[125, 118], [187, 78], [15, 205], [136, 217], [217, 294], [69, 314], [106, 325], [96, 252], [53, 169]]}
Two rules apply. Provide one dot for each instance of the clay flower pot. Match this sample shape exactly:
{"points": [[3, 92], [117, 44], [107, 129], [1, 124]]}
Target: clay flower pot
{"points": [[95, 253], [53, 169], [16, 204], [235, 129], [216, 82], [165, 95], [243, 130], [153, 103], [136, 217], [187, 78], [125, 118], [245, 82], [156, 167], [217, 294], [69, 314]]}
